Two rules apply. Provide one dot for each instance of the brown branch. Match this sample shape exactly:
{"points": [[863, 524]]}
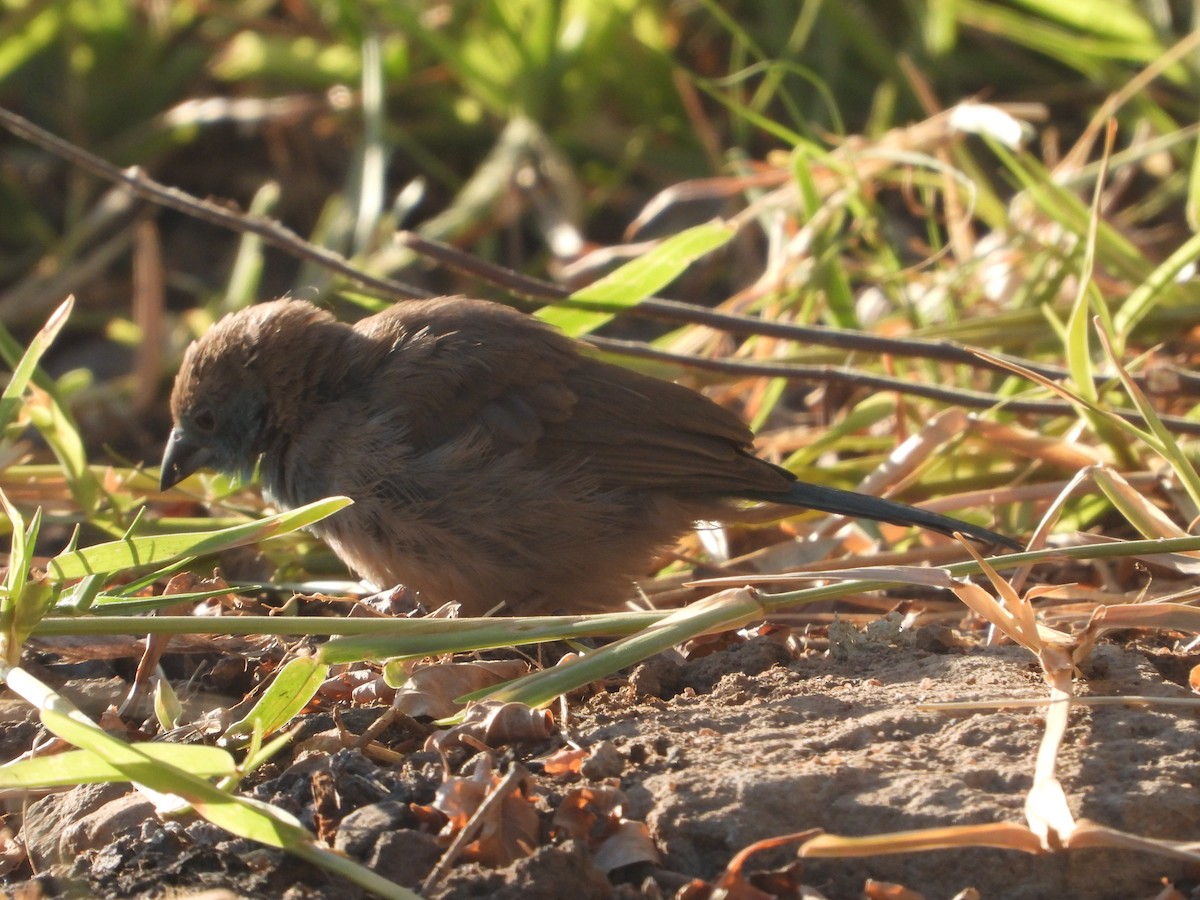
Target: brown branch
{"points": [[833, 375], [138, 182], [741, 325]]}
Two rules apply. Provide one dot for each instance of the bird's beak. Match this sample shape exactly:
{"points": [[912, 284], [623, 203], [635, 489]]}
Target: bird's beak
{"points": [[181, 458]]}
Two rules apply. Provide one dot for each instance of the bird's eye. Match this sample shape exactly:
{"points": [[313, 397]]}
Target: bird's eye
{"points": [[205, 420]]}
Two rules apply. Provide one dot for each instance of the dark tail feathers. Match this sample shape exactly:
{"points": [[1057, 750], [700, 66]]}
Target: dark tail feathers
{"points": [[863, 506]]}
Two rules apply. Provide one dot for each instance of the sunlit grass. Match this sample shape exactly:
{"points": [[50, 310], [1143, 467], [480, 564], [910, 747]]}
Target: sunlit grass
{"points": [[815, 171]]}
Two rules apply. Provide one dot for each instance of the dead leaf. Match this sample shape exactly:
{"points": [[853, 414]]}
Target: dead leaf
{"points": [[707, 644], [630, 843], [588, 814], [566, 761], [357, 685], [508, 828], [494, 724], [434, 690], [594, 815]]}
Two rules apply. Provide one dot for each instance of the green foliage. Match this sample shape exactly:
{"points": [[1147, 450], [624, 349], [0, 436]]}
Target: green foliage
{"points": [[483, 124]]}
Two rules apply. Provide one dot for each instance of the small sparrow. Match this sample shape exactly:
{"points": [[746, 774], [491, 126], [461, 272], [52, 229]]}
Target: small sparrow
{"points": [[490, 458]]}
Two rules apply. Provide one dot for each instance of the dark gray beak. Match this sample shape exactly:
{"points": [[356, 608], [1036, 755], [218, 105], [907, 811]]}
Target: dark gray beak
{"points": [[181, 458]]}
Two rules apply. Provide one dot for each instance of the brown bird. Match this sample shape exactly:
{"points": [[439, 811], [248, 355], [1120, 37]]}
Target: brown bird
{"points": [[490, 459]]}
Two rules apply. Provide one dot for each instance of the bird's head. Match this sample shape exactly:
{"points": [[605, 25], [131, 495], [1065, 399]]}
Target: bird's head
{"points": [[228, 392]]}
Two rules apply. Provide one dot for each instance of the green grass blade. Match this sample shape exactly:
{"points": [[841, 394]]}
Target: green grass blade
{"points": [[1164, 442], [242, 816], [289, 692], [1158, 286], [721, 612], [639, 279], [10, 400], [81, 767], [157, 549]]}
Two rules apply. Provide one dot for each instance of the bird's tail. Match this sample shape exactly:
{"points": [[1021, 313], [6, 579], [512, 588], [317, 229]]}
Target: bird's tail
{"points": [[863, 506]]}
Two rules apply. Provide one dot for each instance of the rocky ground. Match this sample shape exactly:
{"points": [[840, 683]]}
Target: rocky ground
{"points": [[654, 783]]}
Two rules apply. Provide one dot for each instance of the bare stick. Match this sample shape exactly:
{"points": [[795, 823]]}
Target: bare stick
{"points": [[834, 375], [141, 184], [733, 323]]}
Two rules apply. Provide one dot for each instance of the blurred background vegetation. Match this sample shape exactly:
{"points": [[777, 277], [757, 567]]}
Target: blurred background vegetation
{"points": [[532, 135], [559, 140]]}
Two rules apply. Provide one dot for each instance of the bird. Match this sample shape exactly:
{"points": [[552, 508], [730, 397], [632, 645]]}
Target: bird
{"points": [[492, 460]]}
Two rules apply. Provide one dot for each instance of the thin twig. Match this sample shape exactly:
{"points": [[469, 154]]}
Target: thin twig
{"points": [[742, 325], [499, 792], [834, 375], [141, 184]]}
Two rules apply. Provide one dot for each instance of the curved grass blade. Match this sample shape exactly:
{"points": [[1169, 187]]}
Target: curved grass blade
{"points": [[637, 280], [156, 549], [289, 692], [23, 371]]}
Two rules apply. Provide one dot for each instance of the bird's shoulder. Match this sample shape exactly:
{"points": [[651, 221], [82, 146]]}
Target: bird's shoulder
{"points": [[451, 365], [442, 326]]}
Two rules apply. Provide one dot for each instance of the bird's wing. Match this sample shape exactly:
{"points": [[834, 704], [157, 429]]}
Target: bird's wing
{"points": [[644, 432], [471, 366]]}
